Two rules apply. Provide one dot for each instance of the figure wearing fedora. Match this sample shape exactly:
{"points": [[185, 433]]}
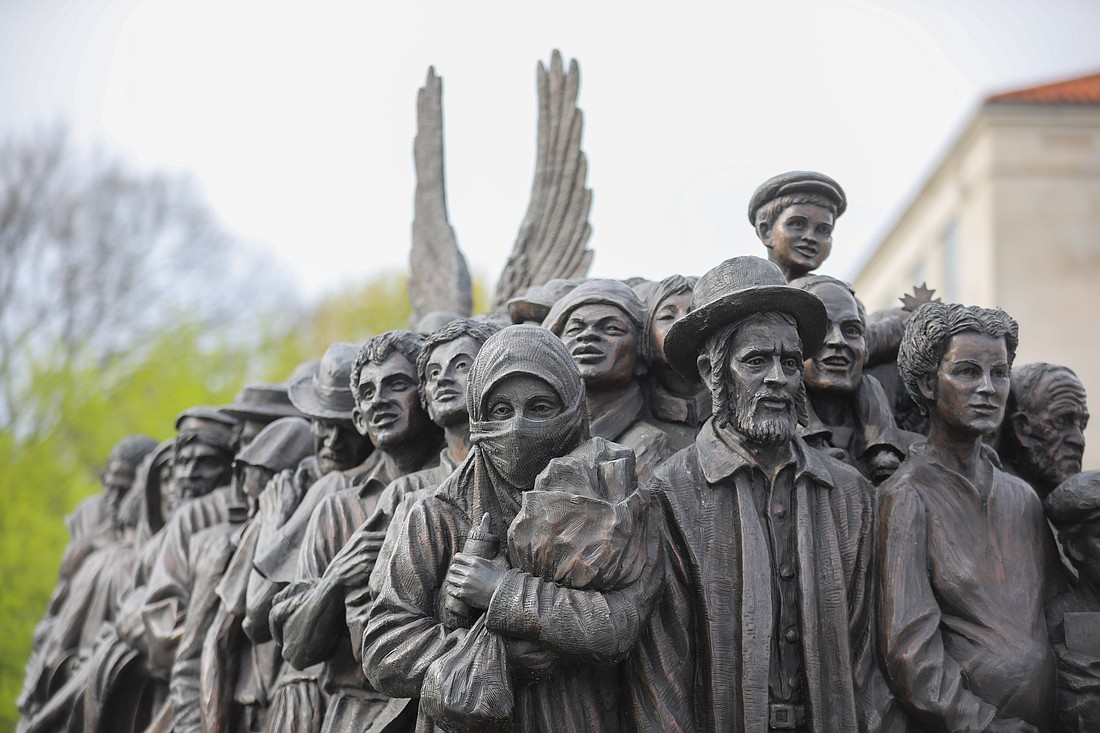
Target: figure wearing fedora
{"points": [[766, 620], [255, 407]]}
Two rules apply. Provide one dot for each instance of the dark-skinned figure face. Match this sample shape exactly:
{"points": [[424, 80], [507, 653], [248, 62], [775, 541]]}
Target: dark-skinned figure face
{"points": [[838, 364], [388, 404], [197, 470], [971, 384], [603, 342], [668, 311], [445, 380], [800, 240], [337, 445]]}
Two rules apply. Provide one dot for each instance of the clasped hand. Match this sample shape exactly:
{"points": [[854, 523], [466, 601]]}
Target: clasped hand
{"points": [[473, 579]]}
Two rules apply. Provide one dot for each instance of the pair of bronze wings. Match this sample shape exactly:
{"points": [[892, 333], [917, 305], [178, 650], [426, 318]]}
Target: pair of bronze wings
{"points": [[553, 239]]}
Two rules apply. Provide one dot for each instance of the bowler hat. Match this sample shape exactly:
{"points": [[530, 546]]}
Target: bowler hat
{"points": [[262, 403], [740, 287], [326, 392], [793, 182]]}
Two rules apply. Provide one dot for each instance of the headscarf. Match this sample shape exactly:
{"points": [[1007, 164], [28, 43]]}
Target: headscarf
{"points": [[507, 455]]}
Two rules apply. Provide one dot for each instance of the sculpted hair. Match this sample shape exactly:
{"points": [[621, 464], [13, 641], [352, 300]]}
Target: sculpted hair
{"points": [[1027, 381], [719, 347], [809, 282], [932, 326], [769, 212], [479, 331], [377, 348]]}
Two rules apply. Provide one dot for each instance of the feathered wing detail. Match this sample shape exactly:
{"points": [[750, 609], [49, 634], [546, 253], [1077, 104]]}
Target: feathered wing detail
{"points": [[439, 279], [552, 241]]}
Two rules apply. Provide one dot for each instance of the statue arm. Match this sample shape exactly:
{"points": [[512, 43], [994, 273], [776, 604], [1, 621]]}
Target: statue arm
{"points": [[166, 602], [403, 634], [923, 677], [584, 625]]}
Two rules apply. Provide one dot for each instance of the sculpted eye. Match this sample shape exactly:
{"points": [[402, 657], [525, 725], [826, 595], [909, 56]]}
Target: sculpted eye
{"points": [[500, 411], [755, 362], [825, 229], [790, 364], [853, 331]]}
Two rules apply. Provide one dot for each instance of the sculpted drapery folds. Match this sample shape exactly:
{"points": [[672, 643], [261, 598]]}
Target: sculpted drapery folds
{"points": [[526, 404], [766, 616], [965, 558]]}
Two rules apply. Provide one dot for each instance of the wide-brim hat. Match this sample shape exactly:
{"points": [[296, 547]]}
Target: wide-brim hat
{"points": [[262, 403], [535, 304], [792, 182], [326, 392], [740, 287]]}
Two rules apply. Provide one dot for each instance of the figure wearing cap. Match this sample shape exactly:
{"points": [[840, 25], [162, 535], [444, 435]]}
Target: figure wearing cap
{"points": [[766, 618], [255, 407], [601, 324], [308, 616], [239, 675], [1074, 617], [793, 214]]}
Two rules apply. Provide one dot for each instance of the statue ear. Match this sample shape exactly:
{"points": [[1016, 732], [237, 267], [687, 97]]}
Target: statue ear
{"points": [[764, 231], [1021, 426], [1072, 548], [359, 419], [706, 372], [927, 386]]}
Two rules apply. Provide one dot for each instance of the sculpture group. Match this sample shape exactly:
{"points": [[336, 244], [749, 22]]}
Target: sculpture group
{"points": [[684, 505]]}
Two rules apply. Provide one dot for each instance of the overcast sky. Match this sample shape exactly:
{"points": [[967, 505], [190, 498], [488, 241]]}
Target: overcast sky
{"points": [[297, 118]]}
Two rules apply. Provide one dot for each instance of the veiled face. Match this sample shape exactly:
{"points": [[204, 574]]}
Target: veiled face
{"points": [[197, 470], [445, 378], [801, 239], [838, 364], [603, 343], [765, 368], [388, 404], [669, 310], [972, 384], [336, 445], [522, 396]]}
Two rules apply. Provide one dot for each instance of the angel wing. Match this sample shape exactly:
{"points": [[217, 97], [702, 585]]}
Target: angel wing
{"points": [[439, 279], [552, 241]]}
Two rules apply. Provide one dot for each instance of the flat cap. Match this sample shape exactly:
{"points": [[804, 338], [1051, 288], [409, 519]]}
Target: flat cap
{"points": [[793, 182]]}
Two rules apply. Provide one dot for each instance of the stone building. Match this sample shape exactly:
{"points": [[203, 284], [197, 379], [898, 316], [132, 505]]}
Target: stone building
{"points": [[1011, 217]]}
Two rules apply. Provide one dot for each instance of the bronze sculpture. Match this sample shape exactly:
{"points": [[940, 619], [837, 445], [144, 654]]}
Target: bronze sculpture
{"points": [[526, 404], [1074, 616], [766, 623], [1043, 437], [965, 559], [600, 322], [793, 214], [848, 409]]}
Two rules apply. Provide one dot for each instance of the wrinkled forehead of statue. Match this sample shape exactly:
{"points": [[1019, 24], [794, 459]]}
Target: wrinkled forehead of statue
{"points": [[528, 350]]}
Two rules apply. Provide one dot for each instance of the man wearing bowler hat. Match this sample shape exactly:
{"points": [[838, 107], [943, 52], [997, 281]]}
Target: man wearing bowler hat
{"points": [[765, 623]]}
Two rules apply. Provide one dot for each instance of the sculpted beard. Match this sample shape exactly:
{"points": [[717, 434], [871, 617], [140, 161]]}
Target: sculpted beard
{"points": [[761, 425]]}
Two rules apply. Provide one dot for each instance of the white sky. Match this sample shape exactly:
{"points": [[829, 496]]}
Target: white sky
{"points": [[298, 118]]}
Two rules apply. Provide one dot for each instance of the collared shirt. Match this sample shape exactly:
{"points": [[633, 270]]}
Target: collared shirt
{"points": [[679, 417], [774, 496]]}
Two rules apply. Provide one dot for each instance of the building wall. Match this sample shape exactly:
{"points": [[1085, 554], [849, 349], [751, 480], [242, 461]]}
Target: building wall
{"points": [[1011, 218]]}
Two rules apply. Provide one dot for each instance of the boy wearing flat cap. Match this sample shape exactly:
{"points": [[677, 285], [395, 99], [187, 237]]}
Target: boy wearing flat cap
{"points": [[793, 214]]}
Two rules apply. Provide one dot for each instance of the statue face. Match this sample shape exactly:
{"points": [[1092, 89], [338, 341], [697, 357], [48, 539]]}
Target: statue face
{"points": [[765, 370], [669, 310], [603, 343], [972, 384], [838, 364], [118, 478], [336, 445], [445, 380], [800, 240], [522, 396], [248, 431], [197, 470], [253, 481], [388, 405], [1085, 552]]}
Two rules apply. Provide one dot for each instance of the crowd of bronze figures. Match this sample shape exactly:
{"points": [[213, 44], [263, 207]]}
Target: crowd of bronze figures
{"points": [[737, 502]]}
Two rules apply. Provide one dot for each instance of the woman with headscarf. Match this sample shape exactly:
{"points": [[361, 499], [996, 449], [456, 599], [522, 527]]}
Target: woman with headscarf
{"points": [[527, 407]]}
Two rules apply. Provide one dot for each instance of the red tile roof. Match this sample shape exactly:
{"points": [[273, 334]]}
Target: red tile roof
{"points": [[1082, 90]]}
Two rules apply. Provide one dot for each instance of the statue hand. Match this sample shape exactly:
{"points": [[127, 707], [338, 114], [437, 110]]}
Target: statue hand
{"points": [[353, 564], [528, 661], [473, 579]]}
